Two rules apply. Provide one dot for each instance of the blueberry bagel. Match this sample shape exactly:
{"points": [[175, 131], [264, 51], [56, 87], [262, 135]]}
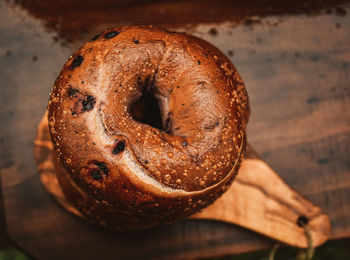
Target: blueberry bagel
{"points": [[120, 164]]}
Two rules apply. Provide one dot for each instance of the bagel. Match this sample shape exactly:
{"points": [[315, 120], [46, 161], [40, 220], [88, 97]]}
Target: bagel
{"points": [[148, 126]]}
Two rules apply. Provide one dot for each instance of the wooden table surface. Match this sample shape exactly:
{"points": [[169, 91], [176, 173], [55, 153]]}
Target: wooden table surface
{"points": [[294, 59]]}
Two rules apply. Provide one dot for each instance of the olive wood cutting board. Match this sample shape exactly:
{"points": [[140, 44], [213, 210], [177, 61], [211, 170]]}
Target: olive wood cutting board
{"points": [[258, 200]]}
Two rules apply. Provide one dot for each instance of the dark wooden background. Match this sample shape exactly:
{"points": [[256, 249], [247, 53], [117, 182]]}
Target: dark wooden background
{"points": [[294, 59]]}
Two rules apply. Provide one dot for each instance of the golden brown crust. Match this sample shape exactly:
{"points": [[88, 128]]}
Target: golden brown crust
{"points": [[153, 175]]}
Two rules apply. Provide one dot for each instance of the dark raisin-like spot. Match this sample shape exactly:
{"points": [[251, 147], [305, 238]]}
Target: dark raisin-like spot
{"points": [[77, 61], [88, 103], [103, 166], [124, 186], [96, 175], [111, 34], [136, 41], [95, 37], [146, 161], [199, 62], [184, 144], [72, 92], [119, 147], [302, 221]]}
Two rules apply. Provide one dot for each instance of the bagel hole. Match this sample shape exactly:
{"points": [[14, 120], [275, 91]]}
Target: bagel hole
{"points": [[146, 110]]}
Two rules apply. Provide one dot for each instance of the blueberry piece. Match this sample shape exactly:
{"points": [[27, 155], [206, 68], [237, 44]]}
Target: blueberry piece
{"points": [[77, 61], [119, 147], [95, 37], [103, 166], [88, 103], [72, 92], [111, 34]]}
